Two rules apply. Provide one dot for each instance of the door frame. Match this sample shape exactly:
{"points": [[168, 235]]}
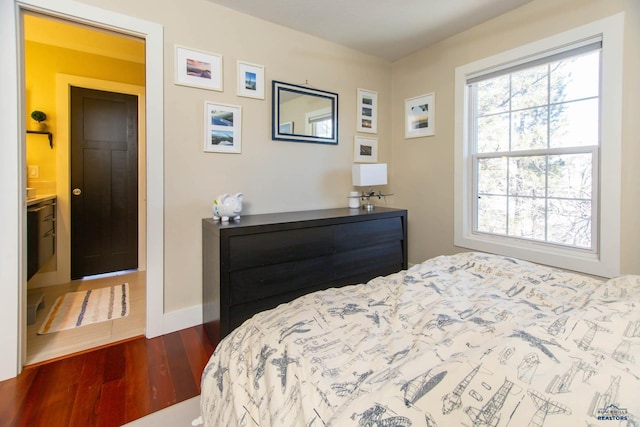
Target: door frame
{"points": [[13, 165]]}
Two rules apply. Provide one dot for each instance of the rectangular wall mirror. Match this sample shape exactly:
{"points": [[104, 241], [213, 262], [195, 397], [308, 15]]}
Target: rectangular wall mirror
{"points": [[304, 114]]}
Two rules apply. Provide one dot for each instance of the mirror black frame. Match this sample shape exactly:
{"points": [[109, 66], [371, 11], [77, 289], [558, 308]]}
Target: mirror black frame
{"points": [[277, 134]]}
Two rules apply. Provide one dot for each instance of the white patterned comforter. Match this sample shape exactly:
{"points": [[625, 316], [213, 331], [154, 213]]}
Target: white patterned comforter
{"points": [[470, 339]]}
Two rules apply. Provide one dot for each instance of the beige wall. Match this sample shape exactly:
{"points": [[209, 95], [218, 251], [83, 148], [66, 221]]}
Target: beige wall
{"points": [[284, 176], [273, 175], [423, 168]]}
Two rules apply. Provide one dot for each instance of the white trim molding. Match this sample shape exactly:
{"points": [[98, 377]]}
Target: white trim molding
{"points": [[13, 165], [12, 171]]}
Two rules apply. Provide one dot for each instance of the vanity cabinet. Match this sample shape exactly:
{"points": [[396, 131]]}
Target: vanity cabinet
{"points": [[41, 232], [264, 260]]}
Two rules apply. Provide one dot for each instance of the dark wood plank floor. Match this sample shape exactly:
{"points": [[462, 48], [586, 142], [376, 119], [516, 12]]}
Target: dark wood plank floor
{"points": [[109, 386]]}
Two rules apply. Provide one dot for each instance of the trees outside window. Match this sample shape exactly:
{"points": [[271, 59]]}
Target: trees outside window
{"points": [[535, 145], [538, 150]]}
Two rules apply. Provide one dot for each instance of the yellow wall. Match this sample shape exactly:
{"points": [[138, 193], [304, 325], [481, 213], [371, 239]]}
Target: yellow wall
{"points": [[44, 61]]}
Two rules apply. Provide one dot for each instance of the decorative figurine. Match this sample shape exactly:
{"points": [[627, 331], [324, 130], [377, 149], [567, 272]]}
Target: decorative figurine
{"points": [[227, 206]]}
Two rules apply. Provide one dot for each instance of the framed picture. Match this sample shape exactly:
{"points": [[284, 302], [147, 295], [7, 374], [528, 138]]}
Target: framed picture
{"points": [[198, 69], [367, 111], [250, 80], [222, 128], [420, 116], [365, 149]]}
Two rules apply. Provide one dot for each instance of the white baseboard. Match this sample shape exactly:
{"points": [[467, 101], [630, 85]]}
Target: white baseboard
{"points": [[182, 319]]}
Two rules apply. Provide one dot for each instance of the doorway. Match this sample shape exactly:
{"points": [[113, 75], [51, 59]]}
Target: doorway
{"points": [[104, 182], [12, 130], [97, 94]]}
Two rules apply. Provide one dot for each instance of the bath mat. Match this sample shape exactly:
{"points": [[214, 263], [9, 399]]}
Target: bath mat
{"points": [[76, 309]]}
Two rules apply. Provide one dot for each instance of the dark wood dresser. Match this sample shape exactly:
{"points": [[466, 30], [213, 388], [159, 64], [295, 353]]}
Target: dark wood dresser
{"points": [[265, 260]]}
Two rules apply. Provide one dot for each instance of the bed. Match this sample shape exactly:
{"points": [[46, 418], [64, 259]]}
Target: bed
{"points": [[470, 339]]}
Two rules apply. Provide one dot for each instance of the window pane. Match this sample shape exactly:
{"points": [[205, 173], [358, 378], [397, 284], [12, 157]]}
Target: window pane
{"points": [[527, 217], [321, 128], [575, 78], [570, 176], [492, 214], [543, 110], [529, 88], [527, 176], [492, 176], [493, 133], [574, 124], [493, 96], [529, 129], [569, 222]]}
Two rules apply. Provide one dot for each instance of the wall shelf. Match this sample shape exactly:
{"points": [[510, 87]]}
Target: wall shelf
{"points": [[42, 132]]}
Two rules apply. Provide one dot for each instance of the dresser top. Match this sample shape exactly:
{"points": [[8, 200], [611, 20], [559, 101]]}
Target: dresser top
{"points": [[322, 215]]}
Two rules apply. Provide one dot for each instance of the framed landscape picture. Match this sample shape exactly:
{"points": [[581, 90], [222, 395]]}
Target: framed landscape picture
{"points": [[420, 117], [365, 149], [222, 128], [198, 69], [367, 111], [250, 80]]}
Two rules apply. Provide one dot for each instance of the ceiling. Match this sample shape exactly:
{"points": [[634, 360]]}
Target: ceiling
{"points": [[390, 29]]}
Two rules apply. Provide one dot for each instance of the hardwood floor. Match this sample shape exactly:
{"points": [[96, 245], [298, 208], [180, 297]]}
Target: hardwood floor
{"points": [[109, 386]]}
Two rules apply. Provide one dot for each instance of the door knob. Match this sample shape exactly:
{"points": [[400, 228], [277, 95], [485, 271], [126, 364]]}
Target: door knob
{"points": [[77, 191]]}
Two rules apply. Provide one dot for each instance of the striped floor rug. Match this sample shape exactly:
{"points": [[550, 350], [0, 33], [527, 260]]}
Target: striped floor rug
{"points": [[76, 309]]}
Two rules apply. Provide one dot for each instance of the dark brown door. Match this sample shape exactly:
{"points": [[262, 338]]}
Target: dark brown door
{"points": [[104, 182]]}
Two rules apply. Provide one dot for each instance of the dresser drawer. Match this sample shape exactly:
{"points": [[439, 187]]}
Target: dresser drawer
{"points": [[261, 249], [241, 312], [367, 233], [262, 282], [386, 256]]}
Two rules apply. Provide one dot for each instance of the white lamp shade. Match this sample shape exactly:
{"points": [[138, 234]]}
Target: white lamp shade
{"points": [[366, 174]]}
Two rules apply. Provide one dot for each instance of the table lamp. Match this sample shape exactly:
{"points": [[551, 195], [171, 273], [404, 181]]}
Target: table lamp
{"points": [[369, 175]]}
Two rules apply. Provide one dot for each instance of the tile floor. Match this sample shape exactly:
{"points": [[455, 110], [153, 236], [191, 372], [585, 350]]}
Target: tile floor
{"points": [[53, 345]]}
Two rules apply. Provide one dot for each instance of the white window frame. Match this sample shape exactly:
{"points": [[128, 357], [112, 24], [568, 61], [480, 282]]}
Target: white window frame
{"points": [[605, 259], [312, 118]]}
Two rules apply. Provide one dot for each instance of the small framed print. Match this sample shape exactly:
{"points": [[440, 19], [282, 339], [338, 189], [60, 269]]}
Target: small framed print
{"points": [[198, 69], [420, 116], [250, 80], [365, 149], [367, 111], [222, 128]]}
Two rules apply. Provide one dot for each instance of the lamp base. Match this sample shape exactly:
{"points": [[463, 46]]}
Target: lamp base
{"points": [[368, 206]]}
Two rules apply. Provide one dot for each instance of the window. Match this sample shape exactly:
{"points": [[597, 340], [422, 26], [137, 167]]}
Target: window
{"points": [[319, 123], [537, 163], [534, 142]]}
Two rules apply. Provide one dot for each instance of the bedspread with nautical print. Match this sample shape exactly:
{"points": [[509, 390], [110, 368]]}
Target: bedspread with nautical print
{"points": [[465, 340]]}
